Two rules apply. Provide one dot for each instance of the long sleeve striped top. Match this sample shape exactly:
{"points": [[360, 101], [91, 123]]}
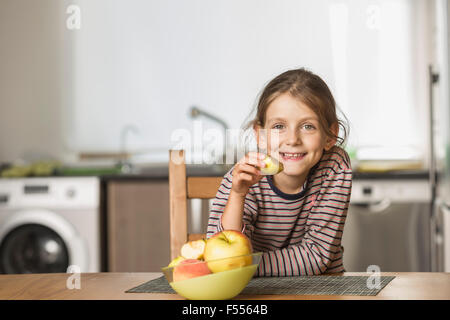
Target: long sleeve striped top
{"points": [[299, 234]]}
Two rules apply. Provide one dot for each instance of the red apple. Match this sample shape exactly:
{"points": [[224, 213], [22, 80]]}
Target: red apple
{"points": [[190, 268], [228, 244]]}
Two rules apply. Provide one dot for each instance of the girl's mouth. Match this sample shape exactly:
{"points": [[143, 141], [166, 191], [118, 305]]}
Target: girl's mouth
{"points": [[286, 156]]}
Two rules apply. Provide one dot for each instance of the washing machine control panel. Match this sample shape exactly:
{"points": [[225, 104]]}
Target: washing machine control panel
{"points": [[52, 192]]}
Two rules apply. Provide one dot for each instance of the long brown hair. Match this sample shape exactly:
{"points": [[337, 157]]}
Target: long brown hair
{"points": [[310, 89]]}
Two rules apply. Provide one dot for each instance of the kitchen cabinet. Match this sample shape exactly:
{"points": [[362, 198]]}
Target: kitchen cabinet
{"points": [[388, 226], [137, 225]]}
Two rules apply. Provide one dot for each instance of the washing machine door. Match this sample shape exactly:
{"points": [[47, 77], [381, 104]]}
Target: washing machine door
{"points": [[39, 241]]}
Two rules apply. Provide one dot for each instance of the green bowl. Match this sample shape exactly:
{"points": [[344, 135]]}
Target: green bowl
{"points": [[215, 286]]}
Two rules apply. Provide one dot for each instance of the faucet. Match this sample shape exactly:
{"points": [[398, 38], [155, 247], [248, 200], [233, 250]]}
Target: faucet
{"points": [[196, 112], [124, 163]]}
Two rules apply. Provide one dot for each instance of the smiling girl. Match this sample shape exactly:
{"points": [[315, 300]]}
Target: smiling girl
{"points": [[296, 217]]}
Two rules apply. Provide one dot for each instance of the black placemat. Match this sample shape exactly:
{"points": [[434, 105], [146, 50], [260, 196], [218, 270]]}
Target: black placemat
{"points": [[302, 285]]}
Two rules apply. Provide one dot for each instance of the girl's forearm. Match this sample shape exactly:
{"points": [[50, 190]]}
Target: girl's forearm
{"points": [[232, 214]]}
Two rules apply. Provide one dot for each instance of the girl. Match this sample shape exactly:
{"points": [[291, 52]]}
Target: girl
{"points": [[296, 217]]}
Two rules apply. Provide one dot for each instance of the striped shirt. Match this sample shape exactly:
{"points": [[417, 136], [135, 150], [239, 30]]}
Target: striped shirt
{"points": [[299, 234]]}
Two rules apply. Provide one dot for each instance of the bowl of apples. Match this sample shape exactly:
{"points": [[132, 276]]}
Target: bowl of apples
{"points": [[218, 268]]}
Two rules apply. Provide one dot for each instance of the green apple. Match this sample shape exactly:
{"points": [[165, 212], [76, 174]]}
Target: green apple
{"points": [[273, 166], [176, 261], [233, 248]]}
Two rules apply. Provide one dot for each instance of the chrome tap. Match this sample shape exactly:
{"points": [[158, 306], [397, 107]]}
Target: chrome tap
{"points": [[196, 112]]}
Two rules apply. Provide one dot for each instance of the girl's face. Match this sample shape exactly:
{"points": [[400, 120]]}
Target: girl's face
{"points": [[293, 135]]}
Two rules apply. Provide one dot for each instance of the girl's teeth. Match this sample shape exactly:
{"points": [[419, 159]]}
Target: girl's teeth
{"points": [[292, 155]]}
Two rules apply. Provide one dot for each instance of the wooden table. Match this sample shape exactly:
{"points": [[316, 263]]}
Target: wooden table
{"points": [[112, 286]]}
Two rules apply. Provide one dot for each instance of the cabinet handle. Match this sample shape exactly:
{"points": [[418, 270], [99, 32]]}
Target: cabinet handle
{"points": [[375, 207]]}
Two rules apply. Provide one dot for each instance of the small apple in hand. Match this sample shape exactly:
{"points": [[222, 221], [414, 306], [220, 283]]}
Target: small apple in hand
{"points": [[193, 249], [190, 268], [228, 244], [273, 166]]}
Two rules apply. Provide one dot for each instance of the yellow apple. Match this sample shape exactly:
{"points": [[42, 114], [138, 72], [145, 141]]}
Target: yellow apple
{"points": [[176, 261], [193, 249], [230, 244], [190, 268], [273, 166]]}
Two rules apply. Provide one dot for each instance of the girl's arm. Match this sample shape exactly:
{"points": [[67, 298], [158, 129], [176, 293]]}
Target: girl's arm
{"points": [[228, 209], [320, 249], [232, 214], [241, 215]]}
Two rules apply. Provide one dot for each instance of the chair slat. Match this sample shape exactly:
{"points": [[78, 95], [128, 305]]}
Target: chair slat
{"points": [[196, 236], [182, 188], [178, 202], [203, 187]]}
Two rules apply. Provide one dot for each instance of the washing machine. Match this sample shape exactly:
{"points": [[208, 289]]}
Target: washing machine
{"points": [[48, 224]]}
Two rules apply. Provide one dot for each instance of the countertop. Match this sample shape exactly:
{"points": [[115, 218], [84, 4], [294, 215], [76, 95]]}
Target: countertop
{"points": [[162, 172], [112, 286]]}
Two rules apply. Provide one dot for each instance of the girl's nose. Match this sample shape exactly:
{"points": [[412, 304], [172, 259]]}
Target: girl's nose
{"points": [[293, 138]]}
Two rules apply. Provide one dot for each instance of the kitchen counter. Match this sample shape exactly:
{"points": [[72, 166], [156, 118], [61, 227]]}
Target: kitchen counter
{"points": [[112, 286], [162, 172]]}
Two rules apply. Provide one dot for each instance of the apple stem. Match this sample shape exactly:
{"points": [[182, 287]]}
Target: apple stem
{"points": [[226, 238]]}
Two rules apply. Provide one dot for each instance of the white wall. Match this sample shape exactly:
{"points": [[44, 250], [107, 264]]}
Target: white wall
{"points": [[146, 62], [31, 84]]}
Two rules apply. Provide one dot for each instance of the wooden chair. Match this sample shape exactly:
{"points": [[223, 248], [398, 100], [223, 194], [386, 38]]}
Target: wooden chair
{"points": [[182, 188]]}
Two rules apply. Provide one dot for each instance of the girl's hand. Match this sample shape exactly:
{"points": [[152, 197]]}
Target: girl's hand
{"points": [[245, 173]]}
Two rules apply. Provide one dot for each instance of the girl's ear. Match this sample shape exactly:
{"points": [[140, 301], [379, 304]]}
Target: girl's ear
{"points": [[331, 141]]}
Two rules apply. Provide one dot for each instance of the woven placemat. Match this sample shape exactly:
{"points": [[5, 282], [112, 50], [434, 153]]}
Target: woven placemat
{"points": [[302, 285]]}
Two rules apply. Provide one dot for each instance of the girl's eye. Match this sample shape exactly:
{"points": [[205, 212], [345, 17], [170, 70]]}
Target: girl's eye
{"points": [[308, 127], [278, 126]]}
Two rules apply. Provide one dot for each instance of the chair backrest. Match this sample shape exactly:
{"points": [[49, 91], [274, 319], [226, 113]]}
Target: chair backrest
{"points": [[182, 188]]}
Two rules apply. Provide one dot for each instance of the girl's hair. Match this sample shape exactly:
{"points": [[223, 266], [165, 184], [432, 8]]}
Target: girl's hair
{"points": [[309, 89]]}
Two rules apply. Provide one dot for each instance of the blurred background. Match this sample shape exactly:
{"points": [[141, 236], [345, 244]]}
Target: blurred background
{"points": [[93, 94]]}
